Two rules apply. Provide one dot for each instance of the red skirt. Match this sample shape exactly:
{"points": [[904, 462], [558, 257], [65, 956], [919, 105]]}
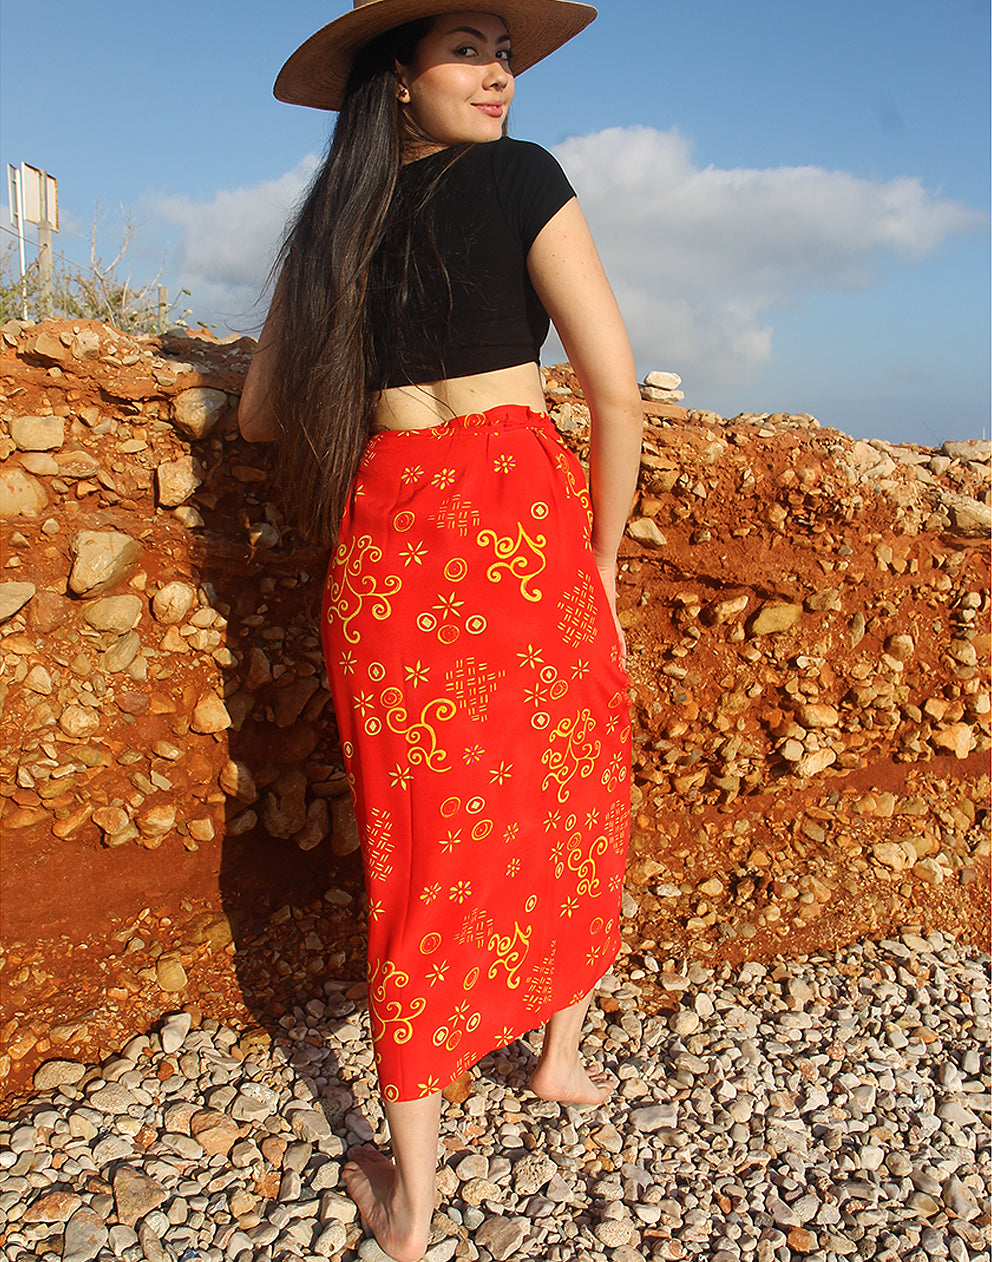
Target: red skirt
{"points": [[485, 727]]}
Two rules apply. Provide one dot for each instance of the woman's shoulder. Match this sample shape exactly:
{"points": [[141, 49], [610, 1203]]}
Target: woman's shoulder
{"points": [[508, 151]]}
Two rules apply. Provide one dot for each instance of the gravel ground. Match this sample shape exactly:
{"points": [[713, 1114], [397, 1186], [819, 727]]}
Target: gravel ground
{"points": [[823, 1108]]}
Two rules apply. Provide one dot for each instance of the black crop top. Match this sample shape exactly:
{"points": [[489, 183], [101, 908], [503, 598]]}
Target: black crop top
{"points": [[485, 212]]}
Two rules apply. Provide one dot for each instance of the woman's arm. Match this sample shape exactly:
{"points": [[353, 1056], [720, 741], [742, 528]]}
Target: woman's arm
{"points": [[256, 420], [569, 278]]}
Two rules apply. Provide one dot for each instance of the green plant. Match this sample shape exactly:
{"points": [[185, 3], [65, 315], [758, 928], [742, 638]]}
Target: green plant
{"points": [[99, 292]]}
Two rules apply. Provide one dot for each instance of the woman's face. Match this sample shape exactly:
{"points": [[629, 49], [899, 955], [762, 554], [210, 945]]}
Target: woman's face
{"points": [[459, 86]]}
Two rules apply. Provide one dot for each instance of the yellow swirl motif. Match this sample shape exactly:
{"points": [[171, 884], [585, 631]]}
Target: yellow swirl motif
{"points": [[389, 1012], [575, 483], [571, 751], [510, 953], [585, 867], [351, 588], [512, 556], [421, 735]]}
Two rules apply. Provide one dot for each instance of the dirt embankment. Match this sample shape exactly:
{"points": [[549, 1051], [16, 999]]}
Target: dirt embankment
{"points": [[808, 621]]}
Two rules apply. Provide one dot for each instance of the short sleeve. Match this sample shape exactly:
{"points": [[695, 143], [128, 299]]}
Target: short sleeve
{"points": [[531, 187]]}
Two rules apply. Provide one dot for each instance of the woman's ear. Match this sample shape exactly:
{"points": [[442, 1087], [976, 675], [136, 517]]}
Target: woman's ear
{"points": [[402, 91]]}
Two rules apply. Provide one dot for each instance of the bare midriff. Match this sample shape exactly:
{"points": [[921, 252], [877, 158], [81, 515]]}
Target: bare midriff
{"points": [[433, 403]]}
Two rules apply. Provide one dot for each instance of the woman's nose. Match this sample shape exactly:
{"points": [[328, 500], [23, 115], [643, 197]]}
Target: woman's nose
{"points": [[497, 74]]}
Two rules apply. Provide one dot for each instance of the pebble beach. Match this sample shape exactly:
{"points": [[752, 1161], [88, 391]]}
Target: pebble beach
{"points": [[828, 1107]]}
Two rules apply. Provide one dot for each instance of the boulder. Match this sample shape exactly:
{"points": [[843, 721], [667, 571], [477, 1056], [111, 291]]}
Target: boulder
{"points": [[21, 495], [38, 433], [102, 559], [197, 411], [14, 596]]}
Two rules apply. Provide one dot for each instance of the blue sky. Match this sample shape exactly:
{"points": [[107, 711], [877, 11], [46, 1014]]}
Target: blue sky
{"points": [[791, 198]]}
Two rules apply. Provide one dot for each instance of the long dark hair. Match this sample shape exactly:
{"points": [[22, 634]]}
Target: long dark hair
{"points": [[325, 381]]}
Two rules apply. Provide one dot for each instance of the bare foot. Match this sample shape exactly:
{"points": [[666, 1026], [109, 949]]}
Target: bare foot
{"points": [[370, 1180], [571, 1083]]}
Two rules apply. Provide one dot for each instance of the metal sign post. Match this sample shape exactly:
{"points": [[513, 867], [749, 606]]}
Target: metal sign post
{"points": [[37, 196], [16, 203]]}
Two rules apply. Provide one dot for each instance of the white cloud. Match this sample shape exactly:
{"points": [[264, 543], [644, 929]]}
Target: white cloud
{"points": [[228, 244], [701, 257]]}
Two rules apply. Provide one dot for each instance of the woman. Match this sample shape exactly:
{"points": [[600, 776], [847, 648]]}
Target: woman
{"points": [[469, 624]]}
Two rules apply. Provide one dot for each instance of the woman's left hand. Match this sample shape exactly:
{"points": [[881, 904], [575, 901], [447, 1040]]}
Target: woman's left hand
{"points": [[608, 577]]}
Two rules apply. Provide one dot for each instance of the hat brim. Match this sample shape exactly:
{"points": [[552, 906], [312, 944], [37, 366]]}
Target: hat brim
{"points": [[317, 73]]}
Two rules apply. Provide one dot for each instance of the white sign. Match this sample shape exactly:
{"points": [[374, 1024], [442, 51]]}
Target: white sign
{"points": [[39, 196]]}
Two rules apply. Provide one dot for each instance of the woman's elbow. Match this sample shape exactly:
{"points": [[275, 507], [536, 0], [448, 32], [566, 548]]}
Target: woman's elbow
{"points": [[255, 422]]}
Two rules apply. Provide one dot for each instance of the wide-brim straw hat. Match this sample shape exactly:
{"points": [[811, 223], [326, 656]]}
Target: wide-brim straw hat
{"points": [[316, 74]]}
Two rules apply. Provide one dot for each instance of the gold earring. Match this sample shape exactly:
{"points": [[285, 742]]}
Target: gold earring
{"points": [[403, 94]]}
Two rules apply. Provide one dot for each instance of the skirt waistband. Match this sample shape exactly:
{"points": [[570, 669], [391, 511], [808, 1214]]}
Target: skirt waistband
{"points": [[506, 415]]}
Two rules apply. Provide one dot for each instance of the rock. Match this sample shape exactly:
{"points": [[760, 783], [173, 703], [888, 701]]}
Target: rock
{"points": [[977, 449], [177, 480], [85, 1236], [720, 611], [115, 823], [331, 1241], [46, 611], [968, 516], [52, 1207], [959, 1200], [14, 596], [211, 715], [501, 1236], [645, 531], [317, 826], [900, 647], [237, 782], [79, 723], [215, 1132], [774, 617], [285, 811], [135, 1194], [663, 380], [113, 613], [102, 559], [170, 974], [196, 411], [654, 1117], [957, 737], [812, 764], [21, 495], [57, 1073], [346, 838], [310, 1125], [172, 603], [532, 1173], [151, 1244], [38, 433], [121, 653], [157, 822], [813, 715], [613, 1232]]}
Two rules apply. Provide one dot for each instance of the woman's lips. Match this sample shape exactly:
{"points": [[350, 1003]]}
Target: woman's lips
{"points": [[493, 110]]}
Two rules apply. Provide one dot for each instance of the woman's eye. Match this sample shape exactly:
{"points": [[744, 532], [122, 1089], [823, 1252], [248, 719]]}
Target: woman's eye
{"points": [[505, 56]]}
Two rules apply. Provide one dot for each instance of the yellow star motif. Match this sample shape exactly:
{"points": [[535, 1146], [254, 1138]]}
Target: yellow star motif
{"points": [[501, 773], [532, 657], [448, 606], [438, 972], [414, 552], [417, 673]]}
